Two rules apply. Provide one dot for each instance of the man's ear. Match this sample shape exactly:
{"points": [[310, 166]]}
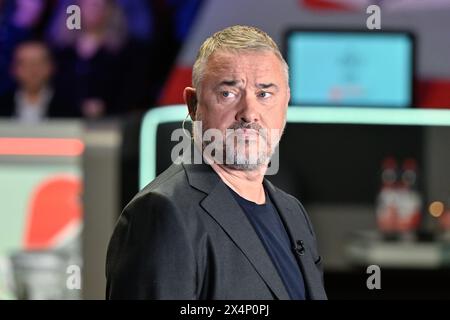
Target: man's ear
{"points": [[190, 98]]}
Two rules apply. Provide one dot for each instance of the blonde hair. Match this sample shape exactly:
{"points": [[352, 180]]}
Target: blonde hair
{"points": [[236, 38]]}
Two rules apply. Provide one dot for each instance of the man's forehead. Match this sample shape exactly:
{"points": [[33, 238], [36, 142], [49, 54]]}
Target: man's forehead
{"points": [[230, 67], [230, 59]]}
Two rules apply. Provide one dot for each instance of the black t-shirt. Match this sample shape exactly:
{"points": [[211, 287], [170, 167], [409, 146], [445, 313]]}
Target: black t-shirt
{"points": [[270, 229]]}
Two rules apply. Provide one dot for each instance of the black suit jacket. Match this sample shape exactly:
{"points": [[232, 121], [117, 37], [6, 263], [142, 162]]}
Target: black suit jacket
{"points": [[185, 237]]}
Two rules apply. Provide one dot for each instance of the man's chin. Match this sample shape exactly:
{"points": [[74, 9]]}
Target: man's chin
{"points": [[244, 166], [246, 163]]}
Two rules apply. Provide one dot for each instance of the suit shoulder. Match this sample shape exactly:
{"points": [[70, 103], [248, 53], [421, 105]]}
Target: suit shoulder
{"points": [[163, 192], [168, 179]]}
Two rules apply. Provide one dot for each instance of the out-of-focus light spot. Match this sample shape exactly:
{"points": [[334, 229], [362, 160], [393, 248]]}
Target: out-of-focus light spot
{"points": [[436, 209]]}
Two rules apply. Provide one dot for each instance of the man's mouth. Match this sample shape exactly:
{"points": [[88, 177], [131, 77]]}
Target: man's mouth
{"points": [[248, 132]]}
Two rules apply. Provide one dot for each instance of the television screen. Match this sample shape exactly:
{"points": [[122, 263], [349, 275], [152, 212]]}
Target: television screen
{"points": [[350, 68]]}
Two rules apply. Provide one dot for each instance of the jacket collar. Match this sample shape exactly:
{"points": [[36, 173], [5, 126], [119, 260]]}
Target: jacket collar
{"points": [[221, 206]]}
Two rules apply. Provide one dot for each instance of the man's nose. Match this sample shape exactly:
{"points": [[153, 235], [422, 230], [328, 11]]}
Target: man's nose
{"points": [[248, 110]]}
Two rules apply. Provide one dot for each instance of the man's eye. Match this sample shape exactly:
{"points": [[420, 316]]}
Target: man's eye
{"points": [[264, 94], [227, 94]]}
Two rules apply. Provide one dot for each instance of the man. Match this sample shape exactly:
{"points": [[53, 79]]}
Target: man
{"points": [[220, 230], [34, 99]]}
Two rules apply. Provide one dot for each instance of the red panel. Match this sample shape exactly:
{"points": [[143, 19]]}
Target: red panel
{"points": [[179, 78], [433, 93], [54, 208], [325, 5]]}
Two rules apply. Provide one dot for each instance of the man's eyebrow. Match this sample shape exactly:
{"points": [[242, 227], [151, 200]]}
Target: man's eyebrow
{"points": [[230, 83], [266, 85], [235, 83]]}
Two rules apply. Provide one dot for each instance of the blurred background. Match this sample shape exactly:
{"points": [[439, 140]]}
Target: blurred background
{"points": [[86, 117]]}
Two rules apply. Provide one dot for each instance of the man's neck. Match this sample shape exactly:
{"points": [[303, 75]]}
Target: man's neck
{"points": [[248, 184]]}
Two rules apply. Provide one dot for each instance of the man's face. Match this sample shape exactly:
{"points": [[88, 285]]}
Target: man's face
{"points": [[32, 66], [248, 93]]}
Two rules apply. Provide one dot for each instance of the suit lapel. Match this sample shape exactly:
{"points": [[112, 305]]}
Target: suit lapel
{"points": [[220, 204], [296, 226]]}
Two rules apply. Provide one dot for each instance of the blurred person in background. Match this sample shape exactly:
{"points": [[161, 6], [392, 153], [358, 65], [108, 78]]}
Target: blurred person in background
{"points": [[98, 66], [20, 20], [35, 98]]}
